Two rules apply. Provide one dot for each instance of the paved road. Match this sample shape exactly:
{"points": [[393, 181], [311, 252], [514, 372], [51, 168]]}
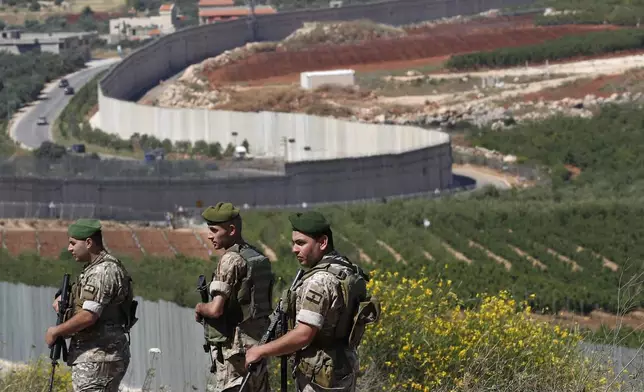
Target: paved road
{"points": [[25, 130], [482, 179]]}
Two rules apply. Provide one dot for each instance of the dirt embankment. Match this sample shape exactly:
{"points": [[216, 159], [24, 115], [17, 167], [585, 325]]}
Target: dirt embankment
{"points": [[264, 65]]}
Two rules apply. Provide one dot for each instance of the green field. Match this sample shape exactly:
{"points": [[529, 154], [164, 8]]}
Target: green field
{"points": [[616, 12], [575, 243], [591, 44]]}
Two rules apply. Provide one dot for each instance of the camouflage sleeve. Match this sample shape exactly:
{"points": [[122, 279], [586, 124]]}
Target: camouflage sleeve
{"points": [[315, 300], [230, 271], [100, 287]]}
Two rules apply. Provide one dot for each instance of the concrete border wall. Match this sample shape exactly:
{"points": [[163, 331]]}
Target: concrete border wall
{"points": [[170, 54], [343, 161], [268, 132], [334, 180]]}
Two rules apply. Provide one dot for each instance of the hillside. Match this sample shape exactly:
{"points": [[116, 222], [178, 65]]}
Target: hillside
{"points": [[572, 244]]}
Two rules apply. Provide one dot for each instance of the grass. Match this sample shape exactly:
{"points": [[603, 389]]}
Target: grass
{"points": [[92, 148], [98, 5]]}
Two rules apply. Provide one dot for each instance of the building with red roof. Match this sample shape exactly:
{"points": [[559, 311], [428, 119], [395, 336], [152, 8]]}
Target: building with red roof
{"points": [[211, 11]]}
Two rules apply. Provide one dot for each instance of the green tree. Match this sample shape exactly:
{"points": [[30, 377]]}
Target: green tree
{"points": [[200, 147], [214, 150]]}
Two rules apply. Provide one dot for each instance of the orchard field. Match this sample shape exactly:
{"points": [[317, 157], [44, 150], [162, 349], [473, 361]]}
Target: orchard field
{"points": [[572, 244]]}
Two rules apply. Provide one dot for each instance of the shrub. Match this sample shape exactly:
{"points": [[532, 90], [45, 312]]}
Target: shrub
{"points": [[443, 345], [35, 377], [562, 48]]}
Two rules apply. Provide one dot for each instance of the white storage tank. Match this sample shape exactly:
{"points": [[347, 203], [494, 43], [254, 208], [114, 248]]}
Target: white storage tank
{"points": [[315, 79]]}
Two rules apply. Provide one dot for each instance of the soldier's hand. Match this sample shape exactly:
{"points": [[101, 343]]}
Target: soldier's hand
{"points": [[253, 354], [55, 304], [50, 336], [198, 317]]}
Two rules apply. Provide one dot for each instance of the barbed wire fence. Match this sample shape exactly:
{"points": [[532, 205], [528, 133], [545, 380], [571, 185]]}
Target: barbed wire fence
{"points": [[181, 215], [73, 211], [72, 166]]}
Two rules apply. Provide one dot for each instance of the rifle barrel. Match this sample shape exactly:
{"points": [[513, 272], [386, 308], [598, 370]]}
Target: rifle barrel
{"points": [[59, 345], [278, 316]]}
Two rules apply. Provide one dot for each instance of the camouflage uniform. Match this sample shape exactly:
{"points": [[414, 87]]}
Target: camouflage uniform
{"points": [[230, 357], [100, 354], [319, 302]]}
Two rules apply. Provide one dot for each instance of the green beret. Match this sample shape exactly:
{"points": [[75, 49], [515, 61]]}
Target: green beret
{"points": [[84, 228], [220, 213], [309, 223]]}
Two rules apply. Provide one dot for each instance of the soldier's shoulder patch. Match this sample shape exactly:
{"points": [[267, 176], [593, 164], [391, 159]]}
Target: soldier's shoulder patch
{"points": [[313, 296], [89, 288]]}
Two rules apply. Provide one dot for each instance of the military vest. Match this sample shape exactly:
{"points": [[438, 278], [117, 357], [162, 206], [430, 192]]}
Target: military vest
{"points": [[253, 299], [123, 314], [359, 308]]}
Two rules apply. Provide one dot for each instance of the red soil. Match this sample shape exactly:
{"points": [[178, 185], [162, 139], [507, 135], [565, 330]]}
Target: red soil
{"points": [[384, 53], [20, 241], [52, 242], [120, 242], [187, 244], [153, 243]]}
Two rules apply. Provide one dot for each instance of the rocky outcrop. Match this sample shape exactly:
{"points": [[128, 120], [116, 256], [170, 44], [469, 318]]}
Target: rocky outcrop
{"points": [[185, 95]]}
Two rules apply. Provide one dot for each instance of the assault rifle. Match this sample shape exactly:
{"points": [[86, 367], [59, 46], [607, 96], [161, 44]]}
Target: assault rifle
{"points": [[202, 288], [59, 345], [278, 317]]}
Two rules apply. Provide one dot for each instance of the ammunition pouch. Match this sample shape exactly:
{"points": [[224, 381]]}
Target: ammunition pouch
{"points": [[368, 313], [128, 309], [130, 313], [323, 367], [221, 330]]}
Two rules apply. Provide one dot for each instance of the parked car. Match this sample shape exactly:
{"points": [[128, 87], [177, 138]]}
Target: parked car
{"points": [[78, 148], [63, 83], [42, 120], [69, 90]]}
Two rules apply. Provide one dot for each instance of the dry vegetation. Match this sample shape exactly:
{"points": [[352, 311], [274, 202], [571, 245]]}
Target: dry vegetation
{"points": [[337, 33], [326, 100]]}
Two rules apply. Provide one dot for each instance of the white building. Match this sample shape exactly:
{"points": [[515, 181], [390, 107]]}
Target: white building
{"points": [[146, 27]]}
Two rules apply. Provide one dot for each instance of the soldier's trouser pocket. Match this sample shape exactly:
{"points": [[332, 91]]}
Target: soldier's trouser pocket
{"points": [[98, 376]]}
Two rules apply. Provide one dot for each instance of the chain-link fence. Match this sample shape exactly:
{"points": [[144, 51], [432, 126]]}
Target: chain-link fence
{"points": [[183, 216], [187, 216], [74, 166], [33, 210]]}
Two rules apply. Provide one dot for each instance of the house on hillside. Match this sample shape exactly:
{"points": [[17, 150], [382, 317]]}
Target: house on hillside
{"points": [[211, 11], [134, 28], [17, 42]]}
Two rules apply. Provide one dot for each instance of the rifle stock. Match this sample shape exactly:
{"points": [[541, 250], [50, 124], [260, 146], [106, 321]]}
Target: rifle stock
{"points": [[278, 317], [59, 347], [202, 288]]}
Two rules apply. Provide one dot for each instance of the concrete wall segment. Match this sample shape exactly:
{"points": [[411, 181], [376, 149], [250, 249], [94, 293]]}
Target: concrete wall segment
{"points": [[383, 160]]}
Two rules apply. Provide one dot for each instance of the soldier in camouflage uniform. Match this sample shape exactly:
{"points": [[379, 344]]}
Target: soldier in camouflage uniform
{"points": [[238, 314], [321, 308], [100, 314]]}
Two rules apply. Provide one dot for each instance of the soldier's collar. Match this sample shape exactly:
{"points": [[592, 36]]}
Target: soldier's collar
{"points": [[234, 248], [331, 255], [97, 260], [238, 246]]}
